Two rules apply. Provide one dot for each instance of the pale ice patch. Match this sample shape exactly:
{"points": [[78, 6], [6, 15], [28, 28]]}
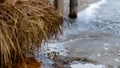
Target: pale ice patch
{"points": [[90, 11], [106, 49], [110, 55], [106, 44], [116, 59], [56, 47], [87, 65], [117, 44], [98, 54]]}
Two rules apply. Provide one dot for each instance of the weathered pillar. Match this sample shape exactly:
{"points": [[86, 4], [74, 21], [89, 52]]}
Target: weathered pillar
{"points": [[59, 5], [73, 8]]}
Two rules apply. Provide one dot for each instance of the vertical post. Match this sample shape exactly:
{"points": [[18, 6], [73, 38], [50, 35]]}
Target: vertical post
{"points": [[73, 8], [1, 1], [59, 5]]}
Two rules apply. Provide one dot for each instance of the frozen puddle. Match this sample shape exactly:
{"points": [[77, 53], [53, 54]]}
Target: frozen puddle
{"points": [[56, 47], [87, 65]]}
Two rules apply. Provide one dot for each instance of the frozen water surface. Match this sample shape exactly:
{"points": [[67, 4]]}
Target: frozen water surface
{"points": [[79, 65], [94, 34]]}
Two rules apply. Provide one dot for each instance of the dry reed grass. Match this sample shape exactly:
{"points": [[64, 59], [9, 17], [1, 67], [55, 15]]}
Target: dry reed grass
{"points": [[24, 24]]}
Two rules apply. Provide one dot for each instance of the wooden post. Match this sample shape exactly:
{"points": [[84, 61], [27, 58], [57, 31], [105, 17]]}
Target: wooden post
{"points": [[59, 5], [1, 1], [73, 8]]}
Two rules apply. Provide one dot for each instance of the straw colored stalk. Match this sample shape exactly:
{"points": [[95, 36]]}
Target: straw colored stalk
{"points": [[24, 24]]}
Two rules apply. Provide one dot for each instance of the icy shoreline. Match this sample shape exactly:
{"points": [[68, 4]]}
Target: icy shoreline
{"points": [[75, 37]]}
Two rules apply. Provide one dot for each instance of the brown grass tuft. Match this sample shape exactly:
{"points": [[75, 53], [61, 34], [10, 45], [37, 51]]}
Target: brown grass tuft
{"points": [[24, 24], [30, 63]]}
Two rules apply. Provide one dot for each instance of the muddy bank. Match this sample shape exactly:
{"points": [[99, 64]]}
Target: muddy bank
{"points": [[65, 62]]}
